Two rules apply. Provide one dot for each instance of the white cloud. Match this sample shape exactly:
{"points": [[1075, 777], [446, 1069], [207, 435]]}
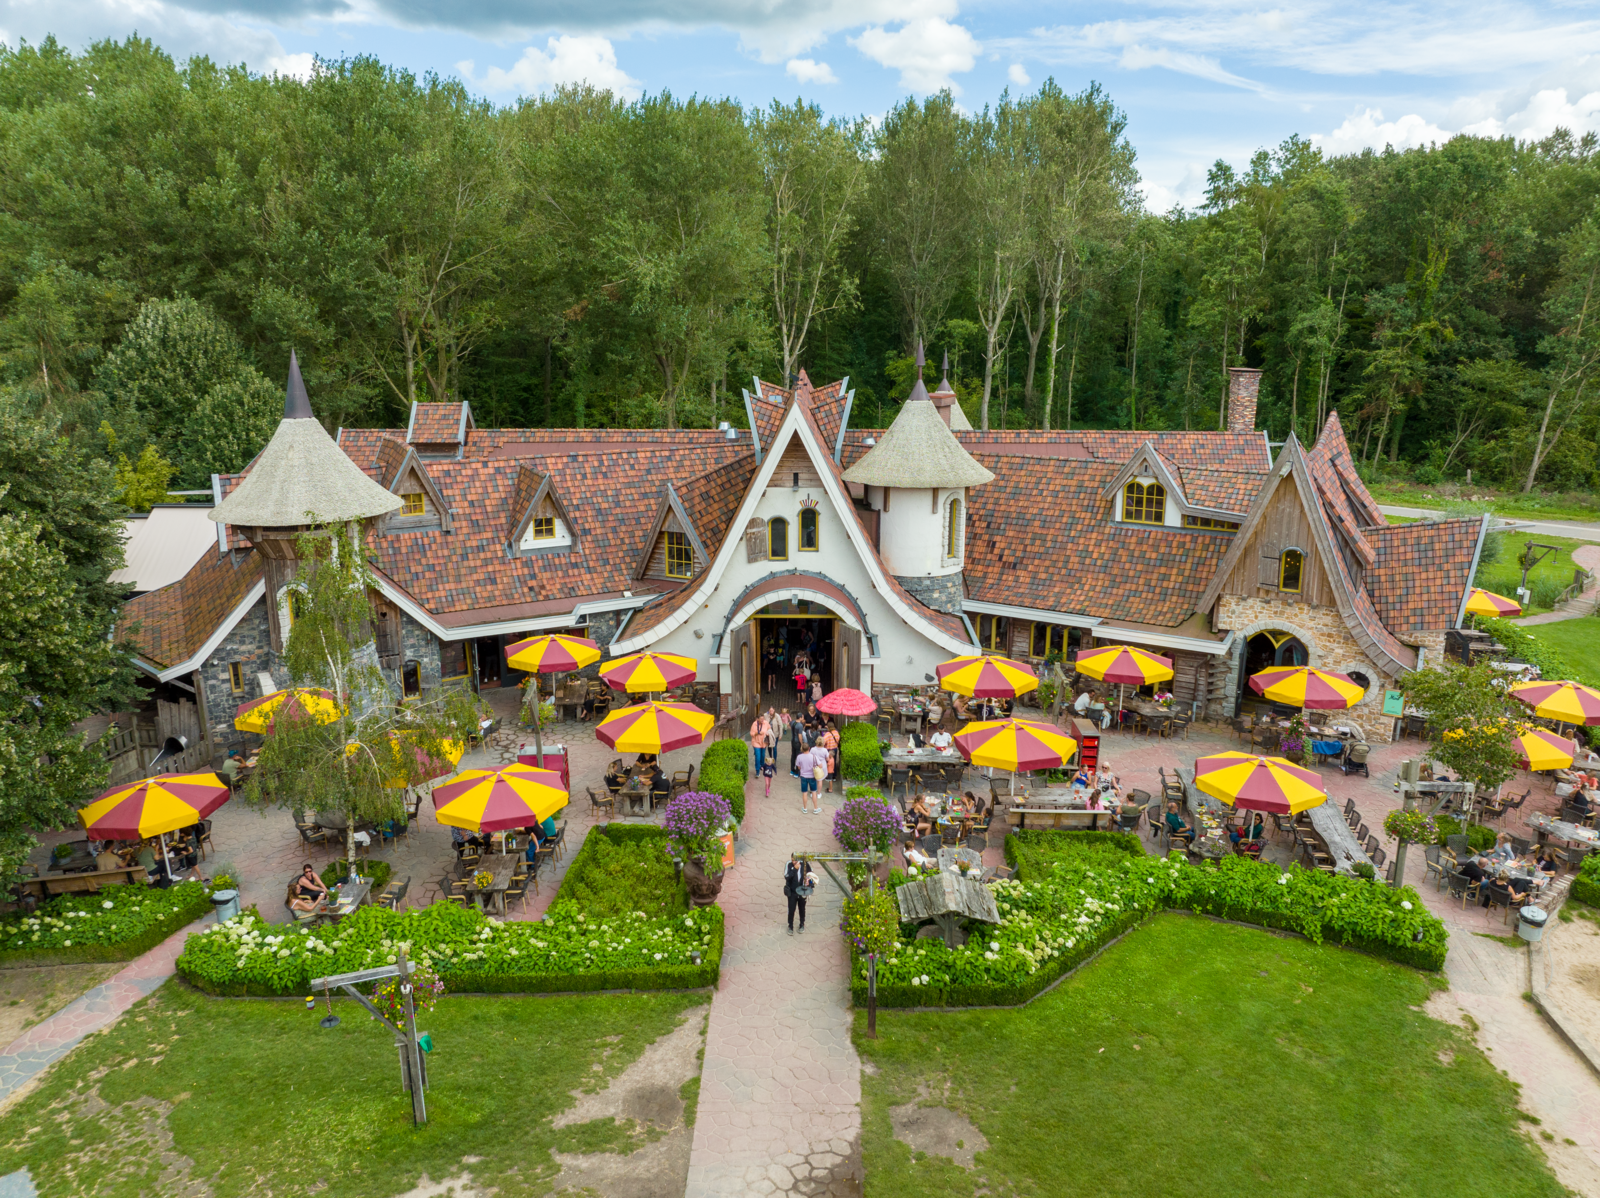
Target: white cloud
{"points": [[1540, 115], [569, 58], [809, 71], [1018, 74], [1186, 186], [300, 66], [926, 52], [1368, 128], [175, 28], [1137, 58]]}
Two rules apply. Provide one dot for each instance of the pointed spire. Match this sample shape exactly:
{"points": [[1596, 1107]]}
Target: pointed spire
{"points": [[296, 403], [944, 382], [921, 358]]}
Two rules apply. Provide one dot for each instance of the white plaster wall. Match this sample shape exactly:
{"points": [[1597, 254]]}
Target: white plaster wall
{"points": [[911, 534], [904, 655]]}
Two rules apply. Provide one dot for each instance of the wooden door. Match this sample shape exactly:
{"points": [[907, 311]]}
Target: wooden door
{"points": [[847, 653], [741, 666]]}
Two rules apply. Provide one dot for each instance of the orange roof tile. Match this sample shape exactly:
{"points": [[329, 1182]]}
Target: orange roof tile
{"points": [[174, 621], [1421, 572]]}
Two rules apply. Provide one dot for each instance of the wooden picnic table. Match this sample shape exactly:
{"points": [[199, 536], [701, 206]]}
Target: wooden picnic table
{"points": [[1563, 830], [76, 883], [502, 866]]}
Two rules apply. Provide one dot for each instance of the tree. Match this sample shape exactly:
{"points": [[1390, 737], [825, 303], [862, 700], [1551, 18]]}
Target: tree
{"points": [[1472, 718], [232, 423], [59, 666], [1573, 348], [360, 763], [142, 484], [815, 173], [1000, 226]]}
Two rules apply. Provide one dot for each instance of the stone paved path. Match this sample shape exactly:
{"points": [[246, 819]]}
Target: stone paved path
{"points": [[781, 1089], [32, 1052]]}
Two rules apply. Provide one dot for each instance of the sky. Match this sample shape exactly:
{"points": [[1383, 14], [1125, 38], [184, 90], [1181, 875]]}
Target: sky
{"points": [[1199, 79]]}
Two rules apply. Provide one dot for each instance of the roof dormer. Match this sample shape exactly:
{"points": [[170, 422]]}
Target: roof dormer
{"points": [[673, 549], [438, 431], [539, 522], [1149, 491], [422, 504]]}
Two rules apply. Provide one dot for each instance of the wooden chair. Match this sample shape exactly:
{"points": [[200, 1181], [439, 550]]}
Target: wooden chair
{"points": [[312, 835], [393, 895], [682, 780], [1522, 844], [517, 894], [558, 842], [602, 804], [1434, 865], [1461, 887]]}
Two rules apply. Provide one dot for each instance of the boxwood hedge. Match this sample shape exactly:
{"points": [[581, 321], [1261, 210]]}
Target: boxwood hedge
{"points": [[117, 923], [860, 757], [1076, 891], [723, 770], [1586, 886]]}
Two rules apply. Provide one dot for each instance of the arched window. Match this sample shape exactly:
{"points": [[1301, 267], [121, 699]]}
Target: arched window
{"points": [[1291, 570], [778, 539], [1144, 503], [954, 529], [808, 530]]}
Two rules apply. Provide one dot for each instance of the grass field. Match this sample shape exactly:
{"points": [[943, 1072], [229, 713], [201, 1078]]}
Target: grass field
{"points": [[1199, 1058], [1546, 580], [188, 1095], [1576, 640], [1577, 507]]}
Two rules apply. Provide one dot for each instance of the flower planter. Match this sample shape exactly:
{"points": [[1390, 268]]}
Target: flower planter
{"points": [[703, 887], [1297, 756]]}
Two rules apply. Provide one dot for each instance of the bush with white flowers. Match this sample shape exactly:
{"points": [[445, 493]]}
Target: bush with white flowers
{"points": [[115, 923]]}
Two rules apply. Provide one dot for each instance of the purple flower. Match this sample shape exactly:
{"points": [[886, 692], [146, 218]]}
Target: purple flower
{"points": [[862, 824], [693, 819]]}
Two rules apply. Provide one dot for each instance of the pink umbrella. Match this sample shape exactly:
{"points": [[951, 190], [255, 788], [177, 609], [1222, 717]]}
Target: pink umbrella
{"points": [[845, 701]]}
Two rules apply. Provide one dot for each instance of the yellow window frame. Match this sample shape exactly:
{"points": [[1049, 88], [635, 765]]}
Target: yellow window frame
{"points": [[1292, 571], [680, 557], [773, 525], [1144, 503], [809, 530], [411, 503]]}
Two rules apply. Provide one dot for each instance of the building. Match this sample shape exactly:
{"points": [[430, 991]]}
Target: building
{"points": [[887, 550]]}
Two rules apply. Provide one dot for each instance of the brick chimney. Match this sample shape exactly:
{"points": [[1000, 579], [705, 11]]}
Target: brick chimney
{"points": [[1243, 384]]}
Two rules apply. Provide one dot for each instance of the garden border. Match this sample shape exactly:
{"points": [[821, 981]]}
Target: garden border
{"points": [[95, 954]]}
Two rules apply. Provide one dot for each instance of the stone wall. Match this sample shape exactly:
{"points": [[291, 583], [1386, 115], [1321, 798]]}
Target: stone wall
{"points": [[418, 644], [942, 592], [1328, 640], [250, 644]]}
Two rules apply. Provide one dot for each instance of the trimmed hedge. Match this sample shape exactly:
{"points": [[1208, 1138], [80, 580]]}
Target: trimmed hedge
{"points": [[860, 757], [1586, 886], [379, 873], [148, 915], [723, 770], [609, 874], [1076, 891]]}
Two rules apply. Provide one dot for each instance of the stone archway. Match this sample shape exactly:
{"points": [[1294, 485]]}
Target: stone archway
{"points": [[1239, 681]]}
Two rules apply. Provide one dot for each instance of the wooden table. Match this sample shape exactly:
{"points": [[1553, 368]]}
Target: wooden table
{"points": [[502, 866], [64, 883], [1057, 817], [1563, 830], [350, 897]]}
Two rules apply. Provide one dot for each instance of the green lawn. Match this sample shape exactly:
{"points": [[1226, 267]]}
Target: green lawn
{"points": [[1574, 507], [262, 1100], [1576, 640], [1546, 580], [1199, 1058]]}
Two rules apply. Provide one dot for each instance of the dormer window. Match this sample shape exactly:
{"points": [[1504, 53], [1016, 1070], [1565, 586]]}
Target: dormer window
{"points": [[411, 503], [1291, 570], [1144, 503], [680, 558], [543, 528]]}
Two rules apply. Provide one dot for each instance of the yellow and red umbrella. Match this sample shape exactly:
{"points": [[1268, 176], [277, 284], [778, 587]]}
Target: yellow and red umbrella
{"points": [[1014, 744], [642, 672], [1123, 665], [1301, 686], [1486, 603], [402, 759], [152, 806], [1545, 750], [1569, 702], [552, 654], [1253, 783], [654, 727], [298, 702], [513, 796], [987, 677]]}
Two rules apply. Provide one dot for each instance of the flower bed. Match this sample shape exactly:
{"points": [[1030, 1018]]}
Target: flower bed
{"points": [[1076, 891], [584, 943], [116, 924], [723, 769]]}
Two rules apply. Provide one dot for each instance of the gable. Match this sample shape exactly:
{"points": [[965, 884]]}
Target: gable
{"points": [[1284, 526], [538, 521], [423, 504]]}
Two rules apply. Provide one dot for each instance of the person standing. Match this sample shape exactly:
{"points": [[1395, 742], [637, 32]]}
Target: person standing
{"points": [[796, 890], [761, 738], [807, 766], [797, 743], [830, 744]]}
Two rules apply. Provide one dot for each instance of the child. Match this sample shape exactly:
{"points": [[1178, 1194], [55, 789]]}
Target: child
{"points": [[769, 766]]}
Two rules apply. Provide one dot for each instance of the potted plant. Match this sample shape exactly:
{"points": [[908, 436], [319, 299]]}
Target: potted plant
{"points": [[1293, 742], [695, 823]]}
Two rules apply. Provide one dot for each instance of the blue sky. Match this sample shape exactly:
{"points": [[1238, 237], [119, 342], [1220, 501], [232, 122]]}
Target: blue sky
{"points": [[1199, 79]]}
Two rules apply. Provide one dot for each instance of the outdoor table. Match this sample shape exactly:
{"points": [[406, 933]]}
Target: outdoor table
{"points": [[949, 762], [73, 883], [502, 866], [350, 896], [1055, 817], [1342, 844], [637, 791], [1562, 830]]}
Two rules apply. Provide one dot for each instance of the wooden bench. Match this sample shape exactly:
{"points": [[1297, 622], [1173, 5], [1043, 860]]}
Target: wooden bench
{"points": [[51, 884]]}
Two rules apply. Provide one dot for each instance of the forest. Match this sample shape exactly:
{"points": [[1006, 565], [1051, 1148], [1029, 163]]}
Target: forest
{"points": [[169, 232]]}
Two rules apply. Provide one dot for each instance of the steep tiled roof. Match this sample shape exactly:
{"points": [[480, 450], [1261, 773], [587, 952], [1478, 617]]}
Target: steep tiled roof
{"points": [[1227, 490], [1219, 451], [768, 417], [437, 424], [1421, 572], [532, 442], [525, 486], [175, 621], [711, 500], [1333, 449], [390, 457], [363, 445], [827, 407], [1039, 536]]}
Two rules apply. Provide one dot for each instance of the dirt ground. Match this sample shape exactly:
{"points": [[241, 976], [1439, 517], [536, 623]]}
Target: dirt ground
{"points": [[1573, 950], [29, 995]]}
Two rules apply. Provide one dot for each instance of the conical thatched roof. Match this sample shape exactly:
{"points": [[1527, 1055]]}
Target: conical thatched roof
{"points": [[918, 450], [302, 476]]}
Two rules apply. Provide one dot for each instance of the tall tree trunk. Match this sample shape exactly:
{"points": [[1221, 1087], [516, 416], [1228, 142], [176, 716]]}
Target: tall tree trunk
{"points": [[1294, 402], [1222, 411], [1133, 373], [1072, 371], [1394, 444], [1034, 332], [1050, 375], [1538, 444], [989, 351], [549, 390]]}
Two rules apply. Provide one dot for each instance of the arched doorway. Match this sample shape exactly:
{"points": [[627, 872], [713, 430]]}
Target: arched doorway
{"points": [[1263, 651]]}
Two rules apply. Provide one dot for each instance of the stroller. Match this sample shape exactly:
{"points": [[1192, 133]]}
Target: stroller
{"points": [[1355, 759]]}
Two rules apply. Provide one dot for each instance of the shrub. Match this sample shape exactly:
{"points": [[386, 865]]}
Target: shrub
{"points": [[1586, 886], [116, 924], [723, 770], [694, 822], [1075, 891], [1428, 476], [615, 873], [377, 871], [469, 951], [860, 758], [867, 823], [1524, 647], [1479, 838]]}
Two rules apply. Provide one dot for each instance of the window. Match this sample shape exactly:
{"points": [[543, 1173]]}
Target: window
{"points": [[992, 633], [952, 536], [680, 559], [1291, 567], [808, 531], [778, 539], [236, 676], [544, 528], [411, 503], [1048, 639], [1208, 522], [1144, 504]]}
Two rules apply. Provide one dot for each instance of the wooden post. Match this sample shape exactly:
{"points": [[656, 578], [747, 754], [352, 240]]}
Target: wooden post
{"points": [[419, 1104]]}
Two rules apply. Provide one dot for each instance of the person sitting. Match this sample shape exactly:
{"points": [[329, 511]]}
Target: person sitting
{"points": [[1545, 864], [1176, 825], [106, 859], [964, 805], [229, 771], [1082, 778], [645, 761], [660, 786], [1081, 703], [616, 776], [1520, 888], [1253, 829], [919, 812], [941, 740], [1473, 868], [1504, 852], [1578, 800], [297, 902], [915, 856], [147, 857], [308, 884]]}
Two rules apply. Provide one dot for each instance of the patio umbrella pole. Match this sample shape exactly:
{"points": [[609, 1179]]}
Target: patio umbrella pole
{"points": [[165, 857]]}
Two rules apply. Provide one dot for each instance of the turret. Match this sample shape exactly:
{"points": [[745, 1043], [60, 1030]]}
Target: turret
{"points": [[917, 477]]}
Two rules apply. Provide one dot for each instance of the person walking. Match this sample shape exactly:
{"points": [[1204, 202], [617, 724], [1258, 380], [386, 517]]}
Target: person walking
{"points": [[761, 738], [798, 883], [807, 765]]}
